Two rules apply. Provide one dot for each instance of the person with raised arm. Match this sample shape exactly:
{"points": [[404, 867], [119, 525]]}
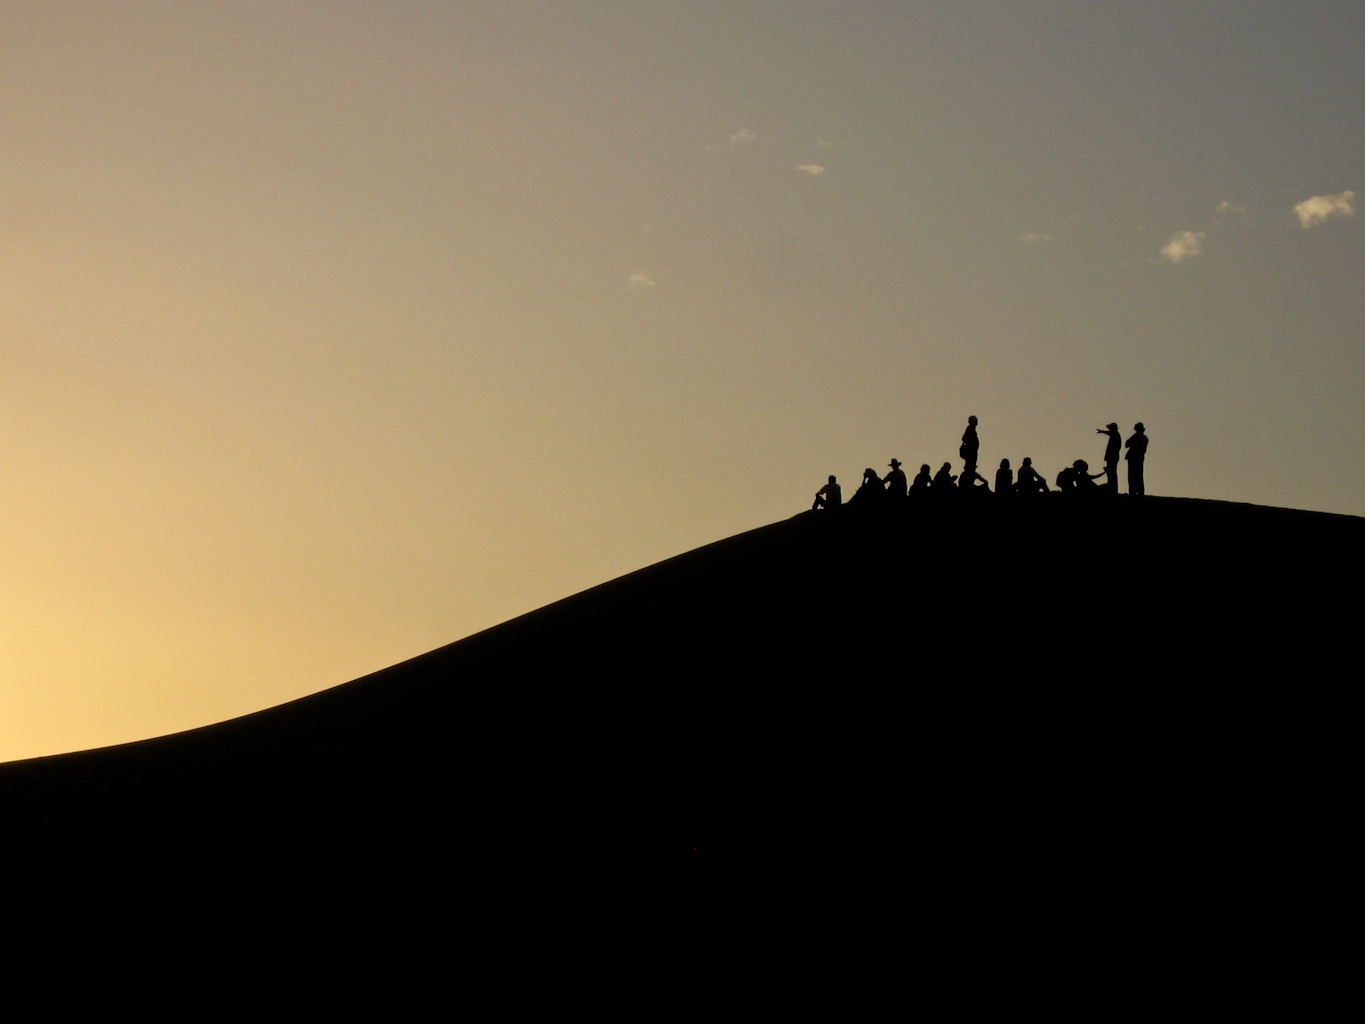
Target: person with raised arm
{"points": [[1111, 456], [870, 491]]}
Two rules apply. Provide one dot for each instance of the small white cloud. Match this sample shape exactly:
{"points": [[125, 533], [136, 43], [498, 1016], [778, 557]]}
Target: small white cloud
{"points": [[1227, 207], [1319, 208], [640, 281], [743, 137], [814, 170], [1182, 245], [1033, 236]]}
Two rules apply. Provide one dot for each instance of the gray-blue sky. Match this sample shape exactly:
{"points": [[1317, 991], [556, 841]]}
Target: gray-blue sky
{"points": [[331, 332]]}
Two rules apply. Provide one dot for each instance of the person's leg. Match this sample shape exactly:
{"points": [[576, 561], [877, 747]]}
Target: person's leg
{"points": [[1135, 482]]}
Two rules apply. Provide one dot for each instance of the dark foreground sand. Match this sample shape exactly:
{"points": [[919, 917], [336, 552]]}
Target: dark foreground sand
{"points": [[980, 721]]}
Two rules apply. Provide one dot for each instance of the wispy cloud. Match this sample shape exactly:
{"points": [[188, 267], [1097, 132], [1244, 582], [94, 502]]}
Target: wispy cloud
{"points": [[813, 170], [1227, 207], [743, 137], [1319, 208], [640, 281], [1033, 236], [1182, 245]]}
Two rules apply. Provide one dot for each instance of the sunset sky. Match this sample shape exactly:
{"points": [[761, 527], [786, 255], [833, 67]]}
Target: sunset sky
{"points": [[334, 332]]}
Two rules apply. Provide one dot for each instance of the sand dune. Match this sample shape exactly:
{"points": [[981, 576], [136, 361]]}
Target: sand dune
{"points": [[1042, 698]]}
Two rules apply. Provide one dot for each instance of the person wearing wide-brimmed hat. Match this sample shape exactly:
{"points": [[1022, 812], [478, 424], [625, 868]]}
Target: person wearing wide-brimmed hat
{"points": [[895, 481]]}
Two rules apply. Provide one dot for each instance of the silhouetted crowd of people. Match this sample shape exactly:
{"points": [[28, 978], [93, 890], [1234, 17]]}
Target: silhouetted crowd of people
{"points": [[1075, 479]]}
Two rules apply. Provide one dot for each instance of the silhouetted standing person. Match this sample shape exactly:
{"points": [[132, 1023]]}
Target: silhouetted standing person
{"points": [[829, 496], [1004, 478], [1111, 457], [895, 481], [970, 446], [1137, 451]]}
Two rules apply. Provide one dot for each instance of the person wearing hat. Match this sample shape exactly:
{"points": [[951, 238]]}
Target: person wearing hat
{"points": [[1137, 451], [895, 481], [1111, 457]]}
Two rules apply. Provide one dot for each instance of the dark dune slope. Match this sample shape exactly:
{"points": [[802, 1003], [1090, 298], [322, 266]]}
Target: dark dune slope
{"points": [[1049, 690]]}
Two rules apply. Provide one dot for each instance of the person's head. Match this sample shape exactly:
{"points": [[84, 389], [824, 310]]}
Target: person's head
{"points": [[1004, 463], [895, 463], [971, 420], [924, 468], [832, 480], [1027, 461], [1081, 464], [1139, 428], [946, 467], [869, 473]]}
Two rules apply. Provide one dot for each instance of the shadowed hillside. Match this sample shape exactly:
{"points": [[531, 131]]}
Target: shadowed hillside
{"points": [[1044, 697]]}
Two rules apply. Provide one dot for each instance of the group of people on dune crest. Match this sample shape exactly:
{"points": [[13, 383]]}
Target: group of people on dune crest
{"points": [[1074, 479]]}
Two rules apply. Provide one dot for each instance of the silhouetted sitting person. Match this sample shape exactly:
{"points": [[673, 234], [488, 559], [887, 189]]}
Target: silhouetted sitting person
{"points": [[829, 496], [922, 480], [870, 491], [1004, 478], [971, 480], [1030, 481], [1076, 479], [895, 481], [943, 480]]}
